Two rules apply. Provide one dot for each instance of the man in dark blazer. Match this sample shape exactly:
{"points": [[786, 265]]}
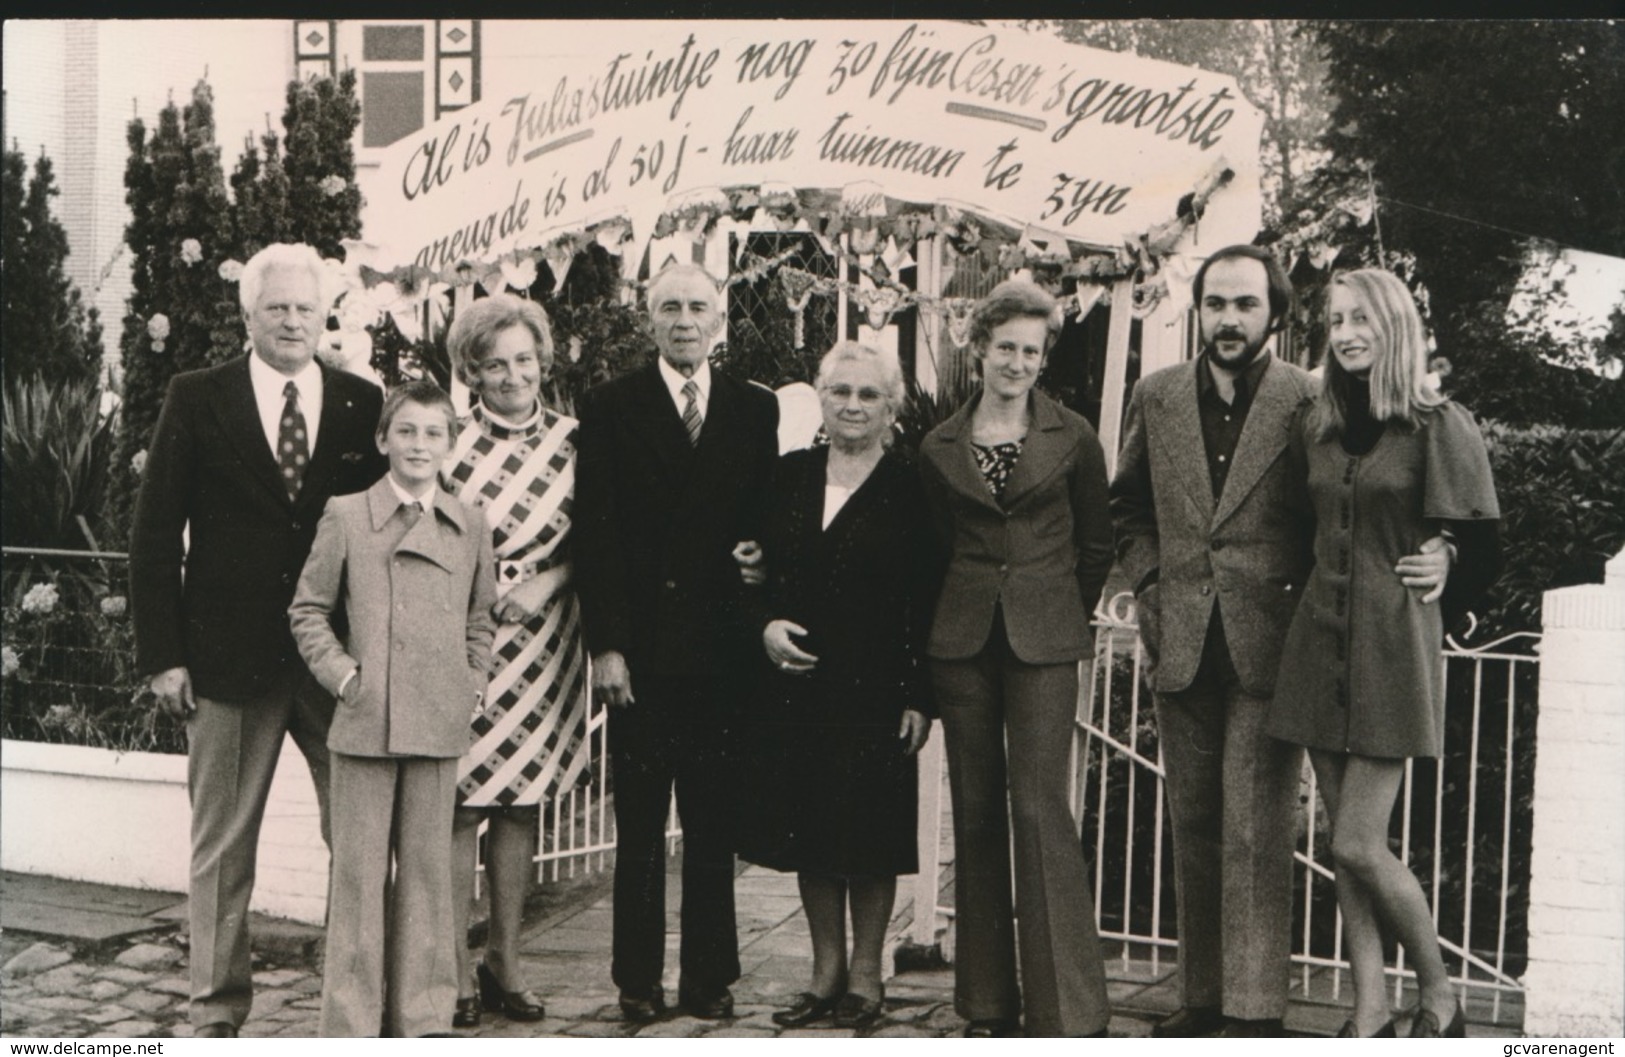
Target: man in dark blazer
{"points": [[672, 462], [243, 459], [1216, 534]]}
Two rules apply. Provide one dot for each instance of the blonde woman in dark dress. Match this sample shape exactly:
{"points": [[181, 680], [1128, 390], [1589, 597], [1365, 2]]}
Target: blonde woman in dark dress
{"points": [[1391, 463]]}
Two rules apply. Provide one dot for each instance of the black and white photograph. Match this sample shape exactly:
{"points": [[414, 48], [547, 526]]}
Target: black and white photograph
{"points": [[813, 528]]}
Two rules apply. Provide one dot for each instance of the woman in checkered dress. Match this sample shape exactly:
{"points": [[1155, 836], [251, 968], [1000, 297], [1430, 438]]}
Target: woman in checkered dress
{"points": [[515, 462]]}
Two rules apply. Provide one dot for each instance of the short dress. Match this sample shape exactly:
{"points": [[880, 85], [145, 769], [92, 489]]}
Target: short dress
{"points": [[1361, 671], [828, 787], [529, 739]]}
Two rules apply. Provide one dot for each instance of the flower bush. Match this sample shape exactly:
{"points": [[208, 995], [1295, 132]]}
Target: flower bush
{"points": [[69, 661]]}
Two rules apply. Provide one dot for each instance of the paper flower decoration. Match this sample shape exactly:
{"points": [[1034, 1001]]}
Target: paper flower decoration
{"points": [[231, 271], [332, 185], [191, 251], [158, 330], [40, 599]]}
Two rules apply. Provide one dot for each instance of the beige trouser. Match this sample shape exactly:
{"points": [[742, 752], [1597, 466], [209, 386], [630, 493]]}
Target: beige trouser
{"points": [[231, 758], [390, 936]]}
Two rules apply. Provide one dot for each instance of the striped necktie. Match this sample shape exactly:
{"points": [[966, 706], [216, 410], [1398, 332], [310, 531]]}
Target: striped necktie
{"points": [[691, 411]]}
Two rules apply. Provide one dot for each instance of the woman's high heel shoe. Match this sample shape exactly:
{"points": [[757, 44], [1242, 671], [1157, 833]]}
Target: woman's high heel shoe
{"points": [[515, 1005], [1426, 1025], [467, 1014], [809, 1008]]}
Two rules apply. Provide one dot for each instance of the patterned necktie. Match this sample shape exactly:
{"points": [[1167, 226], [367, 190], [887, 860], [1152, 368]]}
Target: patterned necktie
{"points": [[691, 411], [292, 443]]}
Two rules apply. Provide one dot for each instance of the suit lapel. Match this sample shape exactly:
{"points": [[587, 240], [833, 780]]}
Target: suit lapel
{"points": [[954, 457], [1047, 444], [1182, 438], [239, 418], [330, 443], [1263, 438], [656, 421], [425, 538]]}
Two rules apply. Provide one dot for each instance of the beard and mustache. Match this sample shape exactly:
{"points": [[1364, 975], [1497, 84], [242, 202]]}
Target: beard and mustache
{"points": [[1249, 351]]}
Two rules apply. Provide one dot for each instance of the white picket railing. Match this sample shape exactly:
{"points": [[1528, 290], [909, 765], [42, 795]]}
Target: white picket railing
{"points": [[1475, 895]]}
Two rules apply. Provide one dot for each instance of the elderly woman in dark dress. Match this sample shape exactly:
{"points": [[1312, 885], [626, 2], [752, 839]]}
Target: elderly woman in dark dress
{"points": [[1391, 463], [1017, 485], [852, 574]]}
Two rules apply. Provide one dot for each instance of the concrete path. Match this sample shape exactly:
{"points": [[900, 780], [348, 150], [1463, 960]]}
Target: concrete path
{"points": [[92, 961]]}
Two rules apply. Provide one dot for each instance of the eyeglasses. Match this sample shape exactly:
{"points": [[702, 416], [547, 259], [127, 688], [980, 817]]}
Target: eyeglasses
{"points": [[843, 393]]}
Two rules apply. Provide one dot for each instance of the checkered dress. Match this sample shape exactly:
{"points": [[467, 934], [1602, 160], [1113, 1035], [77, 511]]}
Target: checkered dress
{"points": [[529, 739]]}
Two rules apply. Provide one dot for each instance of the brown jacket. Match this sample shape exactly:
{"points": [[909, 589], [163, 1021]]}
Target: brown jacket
{"points": [[419, 605], [1041, 556], [1249, 552]]}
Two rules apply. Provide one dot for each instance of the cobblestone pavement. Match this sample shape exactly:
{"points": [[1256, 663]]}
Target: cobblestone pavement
{"points": [[136, 985]]}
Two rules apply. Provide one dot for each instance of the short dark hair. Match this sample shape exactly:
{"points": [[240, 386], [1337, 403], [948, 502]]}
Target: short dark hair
{"points": [[1280, 286], [422, 391], [1012, 299]]}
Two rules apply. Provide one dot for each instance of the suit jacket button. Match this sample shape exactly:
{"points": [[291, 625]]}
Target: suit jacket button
{"points": [[287, 578], [1004, 568], [671, 585], [1207, 589], [296, 526]]}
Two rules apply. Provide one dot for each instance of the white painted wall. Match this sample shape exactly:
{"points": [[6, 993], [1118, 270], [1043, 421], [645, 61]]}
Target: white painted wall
{"points": [[123, 819]]}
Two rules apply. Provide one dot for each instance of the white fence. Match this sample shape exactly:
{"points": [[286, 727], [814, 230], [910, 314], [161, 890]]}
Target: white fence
{"points": [[1463, 824]]}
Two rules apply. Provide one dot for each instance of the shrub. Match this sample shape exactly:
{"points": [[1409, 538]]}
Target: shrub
{"points": [[1562, 495], [69, 661], [56, 445]]}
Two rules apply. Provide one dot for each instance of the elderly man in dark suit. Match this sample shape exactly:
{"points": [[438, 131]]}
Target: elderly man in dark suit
{"points": [[242, 460], [1215, 533], [673, 459]]}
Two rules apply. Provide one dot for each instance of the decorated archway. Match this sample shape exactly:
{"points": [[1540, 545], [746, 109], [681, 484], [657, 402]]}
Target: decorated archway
{"points": [[919, 159]]}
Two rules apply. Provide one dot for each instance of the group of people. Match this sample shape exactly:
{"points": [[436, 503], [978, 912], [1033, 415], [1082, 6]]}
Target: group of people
{"points": [[413, 592]]}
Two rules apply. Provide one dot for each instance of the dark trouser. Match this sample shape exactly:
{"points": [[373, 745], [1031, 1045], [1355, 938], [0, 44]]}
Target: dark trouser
{"points": [[1009, 726], [673, 735], [1233, 798], [231, 758]]}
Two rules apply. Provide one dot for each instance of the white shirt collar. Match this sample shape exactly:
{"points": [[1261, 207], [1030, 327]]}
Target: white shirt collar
{"points": [[675, 382], [407, 498], [263, 375], [268, 384]]}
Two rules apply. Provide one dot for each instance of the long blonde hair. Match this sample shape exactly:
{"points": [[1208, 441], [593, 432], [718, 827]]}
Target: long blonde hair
{"points": [[1399, 384]]}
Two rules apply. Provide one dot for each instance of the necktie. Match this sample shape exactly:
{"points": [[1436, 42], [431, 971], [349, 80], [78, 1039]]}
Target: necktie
{"points": [[691, 411], [412, 511], [292, 443]]}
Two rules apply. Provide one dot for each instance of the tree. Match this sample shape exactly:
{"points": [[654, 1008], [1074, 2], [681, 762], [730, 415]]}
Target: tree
{"points": [[259, 192], [45, 327], [1478, 138], [324, 204], [181, 314]]}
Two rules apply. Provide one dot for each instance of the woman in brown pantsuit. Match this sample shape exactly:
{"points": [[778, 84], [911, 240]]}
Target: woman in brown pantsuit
{"points": [[1017, 486]]}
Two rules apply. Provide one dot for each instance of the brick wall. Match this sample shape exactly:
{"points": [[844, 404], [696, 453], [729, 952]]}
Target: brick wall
{"points": [[1575, 983]]}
